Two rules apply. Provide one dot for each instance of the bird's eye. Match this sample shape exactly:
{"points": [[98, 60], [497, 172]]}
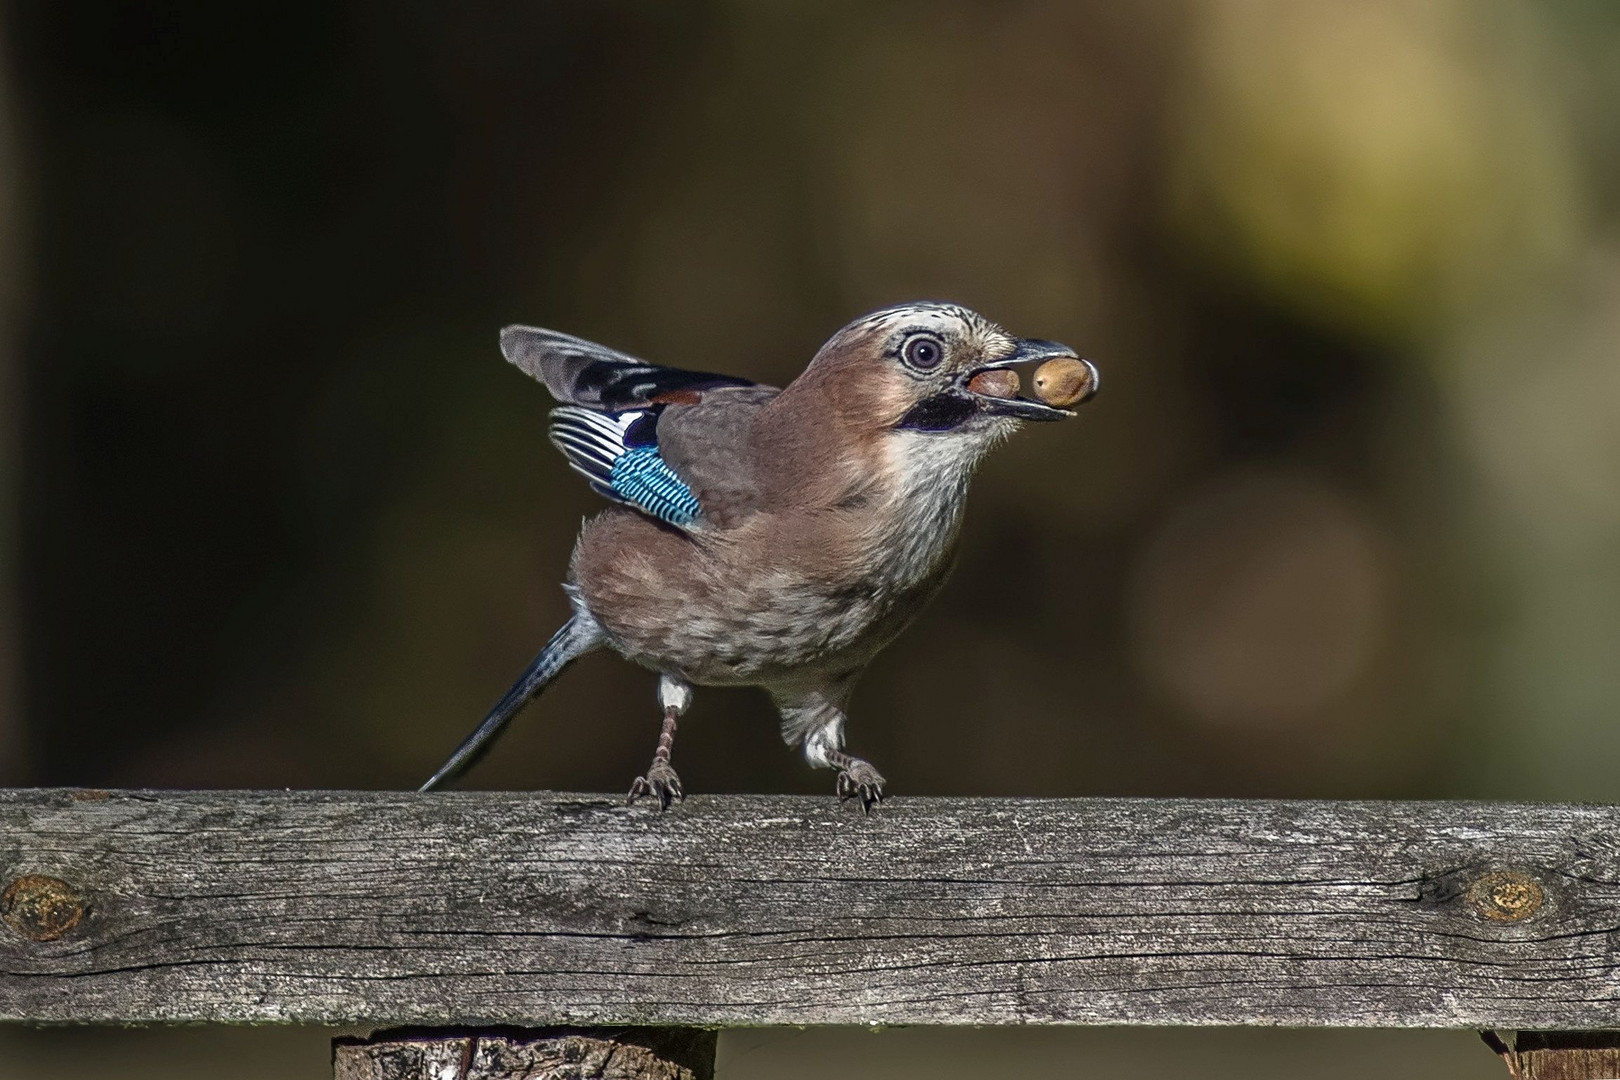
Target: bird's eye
{"points": [[923, 353]]}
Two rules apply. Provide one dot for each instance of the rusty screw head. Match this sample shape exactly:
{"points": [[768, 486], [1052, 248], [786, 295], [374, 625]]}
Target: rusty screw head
{"points": [[41, 908], [1506, 895]]}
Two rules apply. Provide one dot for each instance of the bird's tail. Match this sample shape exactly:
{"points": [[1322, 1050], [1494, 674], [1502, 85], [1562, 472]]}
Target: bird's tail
{"points": [[578, 636]]}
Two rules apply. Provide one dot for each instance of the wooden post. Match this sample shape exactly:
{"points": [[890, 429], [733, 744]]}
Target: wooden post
{"points": [[527, 1054], [1558, 1055]]}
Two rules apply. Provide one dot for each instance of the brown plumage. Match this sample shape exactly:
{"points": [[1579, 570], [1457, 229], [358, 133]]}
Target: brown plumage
{"points": [[777, 538]]}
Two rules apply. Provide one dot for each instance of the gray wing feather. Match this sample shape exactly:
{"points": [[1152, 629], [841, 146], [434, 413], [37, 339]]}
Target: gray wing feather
{"points": [[711, 445], [583, 373]]}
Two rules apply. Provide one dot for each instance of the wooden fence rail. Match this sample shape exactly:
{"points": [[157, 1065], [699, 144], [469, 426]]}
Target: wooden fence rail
{"points": [[480, 909]]}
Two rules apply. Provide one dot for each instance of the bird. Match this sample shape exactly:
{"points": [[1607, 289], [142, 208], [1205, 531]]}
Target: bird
{"points": [[775, 538]]}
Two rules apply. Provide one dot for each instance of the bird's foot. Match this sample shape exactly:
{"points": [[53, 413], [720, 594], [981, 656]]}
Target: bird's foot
{"points": [[857, 777], [660, 782]]}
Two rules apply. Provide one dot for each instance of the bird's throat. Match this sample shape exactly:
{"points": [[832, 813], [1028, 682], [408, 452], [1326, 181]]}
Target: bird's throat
{"points": [[930, 477]]}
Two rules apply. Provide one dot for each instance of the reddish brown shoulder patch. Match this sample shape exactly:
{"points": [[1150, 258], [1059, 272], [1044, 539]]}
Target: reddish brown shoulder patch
{"points": [[677, 397]]}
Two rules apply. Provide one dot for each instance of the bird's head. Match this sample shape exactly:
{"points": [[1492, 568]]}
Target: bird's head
{"points": [[940, 370]]}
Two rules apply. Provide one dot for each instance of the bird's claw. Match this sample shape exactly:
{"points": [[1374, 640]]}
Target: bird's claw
{"points": [[858, 778], [660, 782]]}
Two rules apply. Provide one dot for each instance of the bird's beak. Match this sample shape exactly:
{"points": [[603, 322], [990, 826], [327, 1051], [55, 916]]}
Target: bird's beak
{"points": [[1029, 351]]}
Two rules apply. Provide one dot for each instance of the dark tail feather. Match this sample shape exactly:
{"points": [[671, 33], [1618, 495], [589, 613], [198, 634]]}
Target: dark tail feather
{"points": [[578, 636]]}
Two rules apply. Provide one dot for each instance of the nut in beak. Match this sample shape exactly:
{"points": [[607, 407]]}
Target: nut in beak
{"points": [[996, 382], [1064, 381]]}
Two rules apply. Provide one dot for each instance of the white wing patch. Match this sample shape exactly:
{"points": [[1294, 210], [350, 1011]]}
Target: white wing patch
{"points": [[591, 441]]}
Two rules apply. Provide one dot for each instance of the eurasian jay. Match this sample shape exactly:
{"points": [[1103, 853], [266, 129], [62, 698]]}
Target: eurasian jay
{"points": [[765, 537]]}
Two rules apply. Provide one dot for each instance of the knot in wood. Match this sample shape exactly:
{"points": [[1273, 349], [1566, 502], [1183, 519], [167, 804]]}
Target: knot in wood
{"points": [[1506, 895], [41, 908]]}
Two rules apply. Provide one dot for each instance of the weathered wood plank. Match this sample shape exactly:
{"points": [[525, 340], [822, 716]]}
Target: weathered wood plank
{"points": [[508, 1054], [542, 909]]}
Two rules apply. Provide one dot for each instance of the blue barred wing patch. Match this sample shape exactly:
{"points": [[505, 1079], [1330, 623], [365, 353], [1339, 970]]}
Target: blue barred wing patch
{"points": [[641, 478], [618, 454]]}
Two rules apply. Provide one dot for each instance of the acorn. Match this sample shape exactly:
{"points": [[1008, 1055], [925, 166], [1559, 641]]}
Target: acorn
{"points": [[1064, 381], [997, 382]]}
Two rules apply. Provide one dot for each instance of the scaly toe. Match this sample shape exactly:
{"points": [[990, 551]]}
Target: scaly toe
{"points": [[858, 778], [660, 782]]}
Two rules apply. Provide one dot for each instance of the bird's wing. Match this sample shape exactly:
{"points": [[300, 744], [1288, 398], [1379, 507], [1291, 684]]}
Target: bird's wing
{"points": [[686, 465], [592, 376], [668, 442], [618, 454], [710, 444]]}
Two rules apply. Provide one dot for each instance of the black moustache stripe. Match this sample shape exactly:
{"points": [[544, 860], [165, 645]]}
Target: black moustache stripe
{"points": [[942, 412]]}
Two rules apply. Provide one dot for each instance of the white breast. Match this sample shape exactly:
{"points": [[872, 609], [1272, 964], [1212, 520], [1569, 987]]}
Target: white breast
{"points": [[924, 511]]}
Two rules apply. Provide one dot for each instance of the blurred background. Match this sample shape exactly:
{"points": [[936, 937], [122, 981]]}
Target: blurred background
{"points": [[1345, 521]]}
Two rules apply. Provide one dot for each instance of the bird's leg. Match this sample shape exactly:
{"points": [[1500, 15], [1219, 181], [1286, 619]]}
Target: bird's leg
{"points": [[674, 695], [821, 721]]}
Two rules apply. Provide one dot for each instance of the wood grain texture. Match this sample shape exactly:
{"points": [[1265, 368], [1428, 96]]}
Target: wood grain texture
{"points": [[540, 909], [556, 1054], [1558, 1055]]}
